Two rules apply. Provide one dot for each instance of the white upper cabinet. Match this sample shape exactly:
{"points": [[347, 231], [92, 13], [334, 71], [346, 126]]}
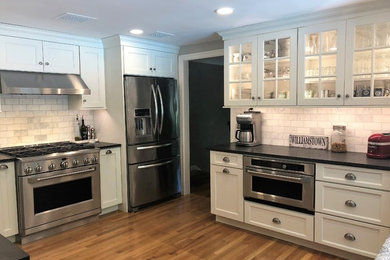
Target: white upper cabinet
{"points": [[138, 61], [367, 79], [20, 54], [277, 68], [38, 56], [92, 72], [61, 58], [321, 64], [240, 64]]}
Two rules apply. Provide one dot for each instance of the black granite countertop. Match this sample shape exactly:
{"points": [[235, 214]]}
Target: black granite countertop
{"points": [[6, 158], [104, 145], [310, 155], [9, 251]]}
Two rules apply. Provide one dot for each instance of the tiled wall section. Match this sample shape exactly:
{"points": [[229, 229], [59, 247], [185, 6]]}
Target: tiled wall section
{"points": [[278, 123], [31, 119]]}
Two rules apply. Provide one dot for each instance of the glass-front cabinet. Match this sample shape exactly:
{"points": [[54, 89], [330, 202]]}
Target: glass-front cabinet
{"points": [[321, 64], [368, 61], [277, 68], [241, 71]]}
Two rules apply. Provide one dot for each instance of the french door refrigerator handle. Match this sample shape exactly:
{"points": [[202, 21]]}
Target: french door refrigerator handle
{"points": [[162, 109], [153, 146], [154, 165], [155, 109]]}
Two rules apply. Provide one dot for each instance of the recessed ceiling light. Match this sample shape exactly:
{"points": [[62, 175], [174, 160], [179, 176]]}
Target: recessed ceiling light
{"points": [[136, 31], [224, 11]]}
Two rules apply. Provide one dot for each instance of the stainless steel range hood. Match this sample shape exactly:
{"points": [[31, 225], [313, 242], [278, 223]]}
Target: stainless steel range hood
{"points": [[21, 82]]}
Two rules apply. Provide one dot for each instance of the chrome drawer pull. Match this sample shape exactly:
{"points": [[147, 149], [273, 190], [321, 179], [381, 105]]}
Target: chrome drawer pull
{"points": [[226, 159], [109, 152], [350, 203], [350, 176], [3, 167], [349, 237], [226, 171], [276, 221]]}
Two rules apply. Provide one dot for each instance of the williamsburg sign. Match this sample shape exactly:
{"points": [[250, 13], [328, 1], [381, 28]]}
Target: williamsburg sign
{"points": [[307, 141]]}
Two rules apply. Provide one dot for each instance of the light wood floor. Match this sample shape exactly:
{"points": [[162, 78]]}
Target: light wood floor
{"points": [[182, 228]]}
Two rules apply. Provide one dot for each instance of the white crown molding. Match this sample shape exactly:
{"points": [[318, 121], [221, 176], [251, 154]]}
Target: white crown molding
{"points": [[122, 40], [45, 35], [332, 15]]}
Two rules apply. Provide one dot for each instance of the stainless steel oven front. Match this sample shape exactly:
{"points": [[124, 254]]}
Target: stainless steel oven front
{"points": [[283, 182], [51, 199]]}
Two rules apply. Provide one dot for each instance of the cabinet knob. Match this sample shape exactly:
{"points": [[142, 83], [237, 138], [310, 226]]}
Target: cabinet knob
{"points": [[150, 69], [350, 203], [347, 96], [84, 100], [109, 152], [226, 159], [253, 98], [276, 221], [338, 96], [3, 167], [350, 237], [226, 171], [154, 69], [47, 63], [40, 63], [258, 98], [350, 176]]}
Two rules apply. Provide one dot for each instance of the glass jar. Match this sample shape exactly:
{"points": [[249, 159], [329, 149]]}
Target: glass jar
{"points": [[337, 139]]}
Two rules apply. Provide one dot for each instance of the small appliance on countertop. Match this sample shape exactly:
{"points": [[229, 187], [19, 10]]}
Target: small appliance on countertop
{"points": [[379, 146], [248, 131]]}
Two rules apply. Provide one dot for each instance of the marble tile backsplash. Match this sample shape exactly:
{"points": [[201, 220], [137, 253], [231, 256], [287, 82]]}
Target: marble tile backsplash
{"points": [[31, 119], [278, 123]]}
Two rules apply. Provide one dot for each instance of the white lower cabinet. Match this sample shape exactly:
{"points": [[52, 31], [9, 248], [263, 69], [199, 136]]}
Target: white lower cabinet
{"points": [[226, 192], [8, 206], [110, 177], [280, 220], [349, 235]]}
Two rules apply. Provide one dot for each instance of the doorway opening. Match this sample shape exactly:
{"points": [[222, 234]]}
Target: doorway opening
{"points": [[209, 122]]}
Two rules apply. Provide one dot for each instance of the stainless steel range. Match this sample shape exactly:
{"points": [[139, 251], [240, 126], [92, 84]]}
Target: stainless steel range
{"points": [[58, 187]]}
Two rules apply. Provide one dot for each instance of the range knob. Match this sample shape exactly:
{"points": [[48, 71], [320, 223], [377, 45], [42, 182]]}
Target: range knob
{"points": [[87, 160], [28, 170], [52, 166], [64, 164], [38, 168], [94, 159], [75, 162]]}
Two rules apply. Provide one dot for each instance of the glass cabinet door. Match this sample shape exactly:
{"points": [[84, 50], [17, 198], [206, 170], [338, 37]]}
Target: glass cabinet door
{"points": [[240, 72], [277, 70], [321, 60], [368, 67]]}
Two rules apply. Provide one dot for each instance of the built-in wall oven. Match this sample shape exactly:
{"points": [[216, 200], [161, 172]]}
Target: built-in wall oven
{"points": [[286, 183]]}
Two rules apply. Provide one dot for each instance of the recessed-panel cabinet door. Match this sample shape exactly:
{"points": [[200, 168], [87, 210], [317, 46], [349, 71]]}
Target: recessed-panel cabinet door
{"points": [[137, 61], [321, 64], [8, 212], [20, 54], [61, 58], [110, 177], [164, 64]]}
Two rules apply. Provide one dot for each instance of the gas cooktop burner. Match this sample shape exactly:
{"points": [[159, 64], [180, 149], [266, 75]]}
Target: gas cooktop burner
{"points": [[45, 149]]}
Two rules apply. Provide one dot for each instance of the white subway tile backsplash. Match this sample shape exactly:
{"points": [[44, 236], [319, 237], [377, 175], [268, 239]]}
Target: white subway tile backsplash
{"points": [[361, 122], [30, 119]]}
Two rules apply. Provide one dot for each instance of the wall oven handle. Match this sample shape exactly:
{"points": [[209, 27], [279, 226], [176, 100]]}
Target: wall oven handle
{"points": [[61, 175], [278, 176], [162, 109], [154, 165], [155, 109], [153, 146]]}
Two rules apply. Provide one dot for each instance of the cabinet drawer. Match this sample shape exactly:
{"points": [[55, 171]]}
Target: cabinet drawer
{"points": [[367, 178], [281, 220], [353, 236], [353, 202], [226, 159]]}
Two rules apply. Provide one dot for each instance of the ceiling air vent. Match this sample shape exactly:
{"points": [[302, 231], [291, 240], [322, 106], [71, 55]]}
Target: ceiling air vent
{"points": [[74, 18], [159, 34]]}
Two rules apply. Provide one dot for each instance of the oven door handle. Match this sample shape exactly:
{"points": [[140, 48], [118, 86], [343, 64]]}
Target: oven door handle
{"points": [[279, 176], [35, 180]]}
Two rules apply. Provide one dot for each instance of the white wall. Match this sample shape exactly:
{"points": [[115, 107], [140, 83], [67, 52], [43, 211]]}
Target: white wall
{"points": [[31, 119], [278, 123]]}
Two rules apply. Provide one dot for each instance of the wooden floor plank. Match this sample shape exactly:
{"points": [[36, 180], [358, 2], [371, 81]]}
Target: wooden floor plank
{"points": [[182, 228]]}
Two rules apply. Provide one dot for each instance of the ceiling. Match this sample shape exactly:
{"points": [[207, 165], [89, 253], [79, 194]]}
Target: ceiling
{"points": [[191, 21]]}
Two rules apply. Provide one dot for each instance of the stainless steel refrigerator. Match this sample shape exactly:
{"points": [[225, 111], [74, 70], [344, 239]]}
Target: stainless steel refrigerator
{"points": [[152, 129]]}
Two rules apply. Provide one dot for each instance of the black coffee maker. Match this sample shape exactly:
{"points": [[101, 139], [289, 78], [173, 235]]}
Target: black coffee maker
{"points": [[249, 128]]}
